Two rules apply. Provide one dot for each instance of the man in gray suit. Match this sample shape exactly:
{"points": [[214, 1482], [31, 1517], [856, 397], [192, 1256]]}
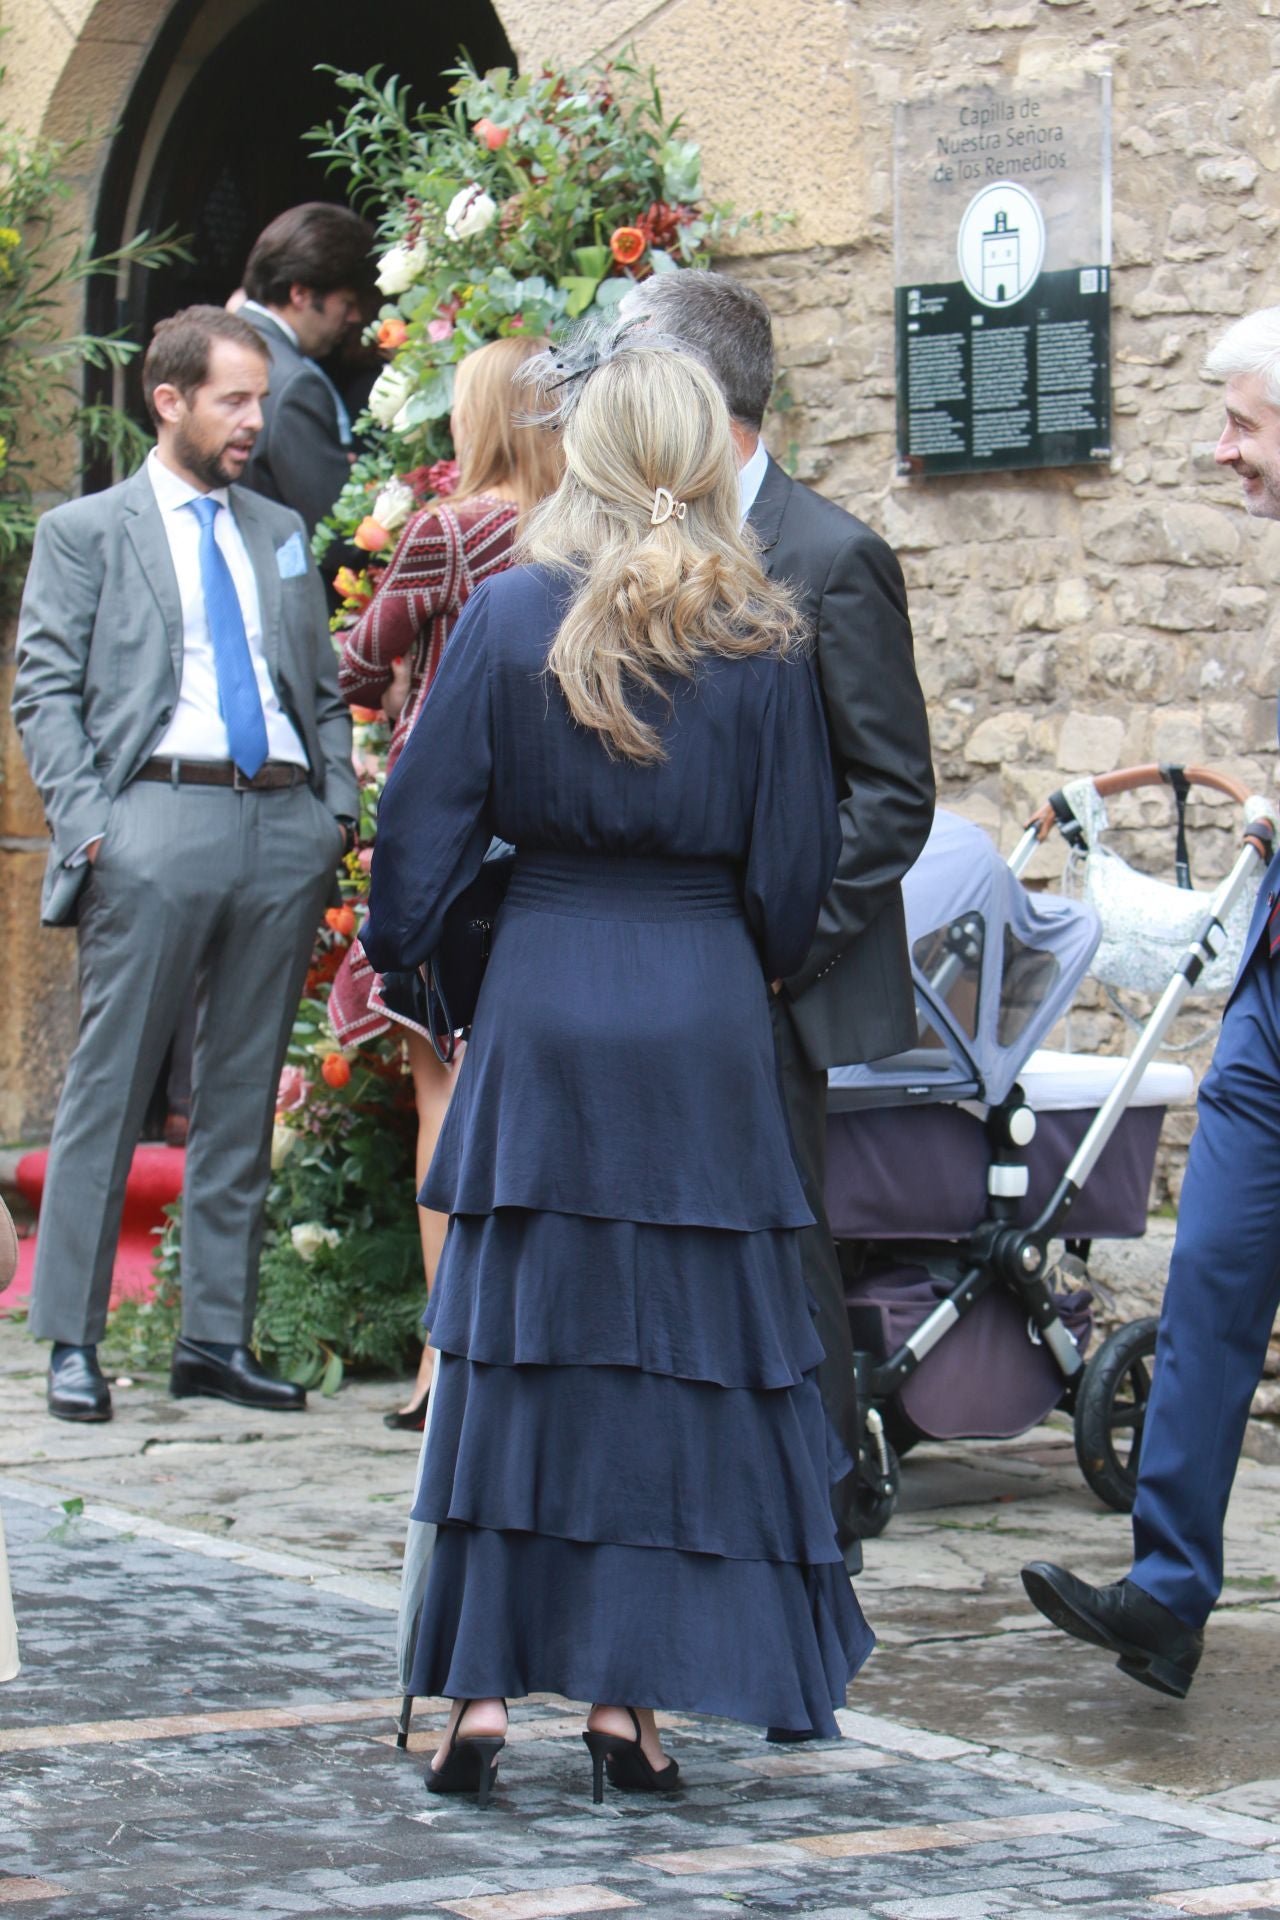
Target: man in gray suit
{"points": [[304, 278], [852, 1000], [177, 699]]}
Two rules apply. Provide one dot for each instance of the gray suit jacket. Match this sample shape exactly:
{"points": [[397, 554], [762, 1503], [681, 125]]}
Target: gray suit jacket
{"points": [[100, 660], [299, 459], [853, 998]]}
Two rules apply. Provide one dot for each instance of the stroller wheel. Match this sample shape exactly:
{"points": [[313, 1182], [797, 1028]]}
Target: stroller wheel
{"points": [[877, 1494], [1111, 1409]]}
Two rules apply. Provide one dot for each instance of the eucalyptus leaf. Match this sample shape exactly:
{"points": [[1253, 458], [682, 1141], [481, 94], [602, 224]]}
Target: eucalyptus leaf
{"points": [[581, 292]]}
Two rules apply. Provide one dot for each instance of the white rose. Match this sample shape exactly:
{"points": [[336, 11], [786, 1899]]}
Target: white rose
{"points": [[390, 391], [283, 1141], [470, 213], [310, 1237], [394, 505], [398, 268]]}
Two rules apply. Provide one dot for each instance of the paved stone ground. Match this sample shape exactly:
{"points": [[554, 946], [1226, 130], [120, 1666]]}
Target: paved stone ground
{"points": [[203, 1724]]}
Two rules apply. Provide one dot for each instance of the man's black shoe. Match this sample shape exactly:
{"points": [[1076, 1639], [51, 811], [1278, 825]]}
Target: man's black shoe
{"points": [[77, 1390], [230, 1375], [1153, 1645], [790, 1736]]}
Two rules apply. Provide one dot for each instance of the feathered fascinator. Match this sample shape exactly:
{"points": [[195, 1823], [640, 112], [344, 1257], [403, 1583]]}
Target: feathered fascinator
{"points": [[555, 378]]}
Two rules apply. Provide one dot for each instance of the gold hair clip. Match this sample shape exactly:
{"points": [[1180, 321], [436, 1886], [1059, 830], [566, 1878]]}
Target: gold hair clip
{"points": [[665, 505]]}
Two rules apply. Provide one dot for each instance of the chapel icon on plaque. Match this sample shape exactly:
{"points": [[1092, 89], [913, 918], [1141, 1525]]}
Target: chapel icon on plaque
{"points": [[999, 259], [1000, 246]]}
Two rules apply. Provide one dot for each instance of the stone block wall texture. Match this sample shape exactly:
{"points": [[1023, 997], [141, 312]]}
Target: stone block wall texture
{"points": [[1067, 622]]}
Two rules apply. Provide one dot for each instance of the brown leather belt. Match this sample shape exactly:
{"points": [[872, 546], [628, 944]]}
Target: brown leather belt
{"points": [[223, 773]]}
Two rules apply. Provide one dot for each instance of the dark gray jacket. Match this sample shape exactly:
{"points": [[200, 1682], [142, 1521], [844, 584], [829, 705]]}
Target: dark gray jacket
{"points": [[100, 659], [852, 1000], [299, 458]]}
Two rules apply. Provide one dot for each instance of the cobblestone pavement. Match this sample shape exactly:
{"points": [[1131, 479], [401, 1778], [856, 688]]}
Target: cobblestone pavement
{"points": [[203, 1723]]}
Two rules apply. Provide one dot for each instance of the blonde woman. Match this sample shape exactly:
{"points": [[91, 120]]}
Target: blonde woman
{"points": [[627, 1455], [391, 655]]}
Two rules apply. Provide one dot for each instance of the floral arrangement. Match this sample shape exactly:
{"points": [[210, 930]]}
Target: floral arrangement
{"points": [[533, 199]]}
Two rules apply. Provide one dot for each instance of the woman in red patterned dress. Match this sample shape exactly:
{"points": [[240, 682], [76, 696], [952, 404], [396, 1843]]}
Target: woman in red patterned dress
{"points": [[390, 656]]}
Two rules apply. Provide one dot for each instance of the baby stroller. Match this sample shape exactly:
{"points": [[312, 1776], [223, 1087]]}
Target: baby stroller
{"points": [[953, 1167]]}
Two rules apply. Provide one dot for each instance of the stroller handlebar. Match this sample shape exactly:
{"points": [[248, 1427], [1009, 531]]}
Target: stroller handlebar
{"points": [[1260, 816]]}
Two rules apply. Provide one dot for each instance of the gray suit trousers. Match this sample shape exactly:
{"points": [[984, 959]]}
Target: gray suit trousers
{"points": [[192, 885]]}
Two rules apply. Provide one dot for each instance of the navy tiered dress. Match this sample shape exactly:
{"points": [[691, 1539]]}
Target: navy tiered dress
{"points": [[628, 1461]]}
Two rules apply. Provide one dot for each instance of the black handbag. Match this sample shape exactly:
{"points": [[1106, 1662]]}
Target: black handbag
{"points": [[441, 994]]}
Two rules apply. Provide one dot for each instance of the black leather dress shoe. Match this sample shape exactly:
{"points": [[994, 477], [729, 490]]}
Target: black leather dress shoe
{"points": [[1153, 1645], [238, 1377], [77, 1390], [790, 1736]]}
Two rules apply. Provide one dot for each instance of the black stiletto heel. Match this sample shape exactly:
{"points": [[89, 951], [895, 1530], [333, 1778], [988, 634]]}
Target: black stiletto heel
{"points": [[470, 1765], [409, 1419], [402, 1724], [630, 1769]]}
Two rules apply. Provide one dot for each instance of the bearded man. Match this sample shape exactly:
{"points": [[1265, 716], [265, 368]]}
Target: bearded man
{"points": [[1224, 1278], [176, 694]]}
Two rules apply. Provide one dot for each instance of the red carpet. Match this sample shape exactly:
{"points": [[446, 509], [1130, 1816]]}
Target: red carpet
{"points": [[155, 1179]]}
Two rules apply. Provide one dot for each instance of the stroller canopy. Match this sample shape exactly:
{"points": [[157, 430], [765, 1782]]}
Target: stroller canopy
{"points": [[994, 968]]}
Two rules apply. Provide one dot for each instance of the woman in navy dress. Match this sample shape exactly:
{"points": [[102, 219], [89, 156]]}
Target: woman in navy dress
{"points": [[627, 1458]]}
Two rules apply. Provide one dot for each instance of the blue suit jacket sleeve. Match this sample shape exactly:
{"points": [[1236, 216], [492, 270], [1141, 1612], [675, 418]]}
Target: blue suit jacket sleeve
{"points": [[433, 819]]}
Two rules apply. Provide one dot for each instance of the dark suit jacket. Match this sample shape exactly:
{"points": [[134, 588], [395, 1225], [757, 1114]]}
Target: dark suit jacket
{"points": [[299, 458], [852, 1000], [100, 659]]}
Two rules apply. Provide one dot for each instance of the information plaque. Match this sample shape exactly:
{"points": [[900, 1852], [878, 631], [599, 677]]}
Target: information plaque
{"points": [[1002, 250]]}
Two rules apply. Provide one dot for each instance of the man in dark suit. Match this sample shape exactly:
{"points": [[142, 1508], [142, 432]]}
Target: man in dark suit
{"points": [[852, 1000], [1224, 1278], [304, 278], [176, 693]]}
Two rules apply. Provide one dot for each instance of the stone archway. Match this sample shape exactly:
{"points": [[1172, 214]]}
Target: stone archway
{"points": [[211, 144]]}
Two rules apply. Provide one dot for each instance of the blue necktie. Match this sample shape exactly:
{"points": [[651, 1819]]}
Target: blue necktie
{"points": [[237, 684]]}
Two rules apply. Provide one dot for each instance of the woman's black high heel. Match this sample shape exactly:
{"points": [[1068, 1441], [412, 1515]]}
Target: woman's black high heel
{"points": [[409, 1419], [630, 1769], [470, 1765]]}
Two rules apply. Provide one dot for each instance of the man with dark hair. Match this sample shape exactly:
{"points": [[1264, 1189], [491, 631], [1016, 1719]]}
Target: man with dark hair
{"points": [[852, 1000], [176, 694], [304, 279]]}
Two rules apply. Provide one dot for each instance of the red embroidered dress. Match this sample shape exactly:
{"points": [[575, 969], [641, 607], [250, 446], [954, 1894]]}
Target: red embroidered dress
{"points": [[442, 556]]}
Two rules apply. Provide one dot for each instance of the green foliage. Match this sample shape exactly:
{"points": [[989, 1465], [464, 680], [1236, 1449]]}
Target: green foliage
{"points": [[43, 264], [528, 201]]}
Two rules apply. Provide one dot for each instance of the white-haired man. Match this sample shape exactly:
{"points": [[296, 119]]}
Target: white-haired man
{"points": [[1224, 1278]]}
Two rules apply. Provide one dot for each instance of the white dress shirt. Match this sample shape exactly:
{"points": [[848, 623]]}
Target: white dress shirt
{"points": [[751, 476], [197, 730]]}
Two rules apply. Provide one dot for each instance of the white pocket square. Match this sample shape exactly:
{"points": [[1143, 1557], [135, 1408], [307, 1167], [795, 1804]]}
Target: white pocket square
{"points": [[291, 558]]}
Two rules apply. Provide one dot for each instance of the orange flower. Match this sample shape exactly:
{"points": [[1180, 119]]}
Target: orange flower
{"points": [[626, 244], [341, 919], [493, 137], [351, 585], [334, 1070], [366, 716], [370, 537], [392, 334]]}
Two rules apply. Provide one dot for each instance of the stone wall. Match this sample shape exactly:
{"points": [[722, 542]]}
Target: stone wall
{"points": [[1066, 622], [1075, 621]]}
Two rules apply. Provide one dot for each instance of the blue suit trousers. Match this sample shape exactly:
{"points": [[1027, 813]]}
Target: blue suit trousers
{"points": [[1221, 1301]]}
